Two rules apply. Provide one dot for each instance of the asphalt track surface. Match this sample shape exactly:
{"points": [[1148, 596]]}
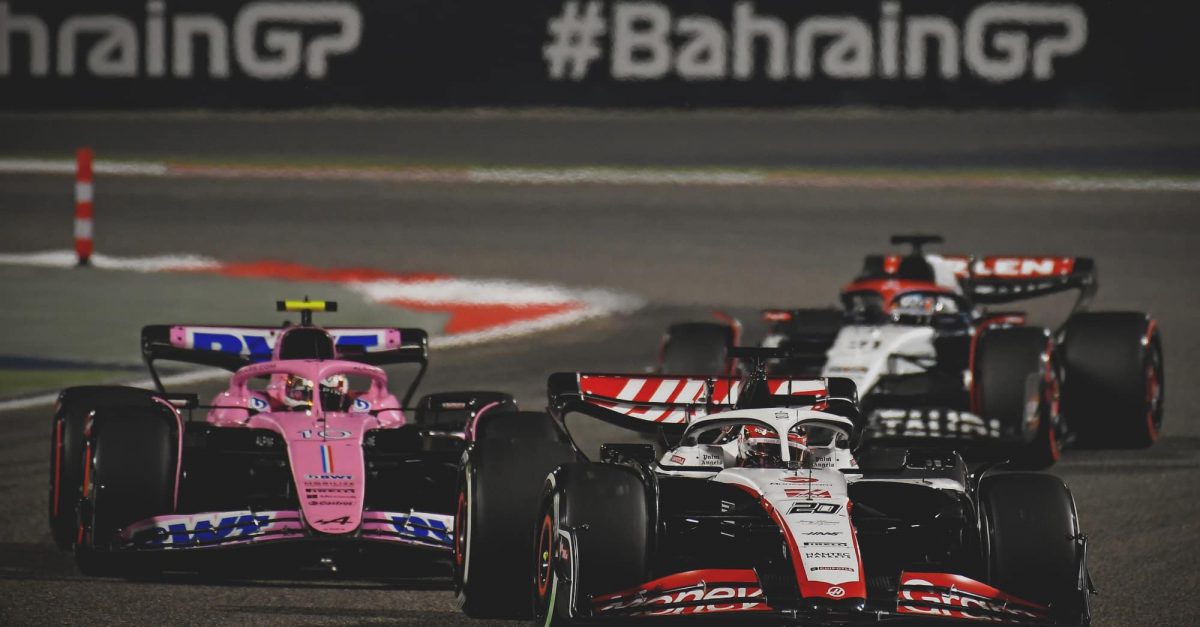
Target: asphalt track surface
{"points": [[687, 250], [1161, 143]]}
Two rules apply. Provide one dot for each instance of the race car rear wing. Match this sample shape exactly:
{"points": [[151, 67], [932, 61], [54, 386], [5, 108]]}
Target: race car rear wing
{"points": [[1005, 279], [992, 280], [232, 347], [665, 403]]}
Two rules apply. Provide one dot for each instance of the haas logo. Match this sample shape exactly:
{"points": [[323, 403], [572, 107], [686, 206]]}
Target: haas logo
{"points": [[836, 592]]}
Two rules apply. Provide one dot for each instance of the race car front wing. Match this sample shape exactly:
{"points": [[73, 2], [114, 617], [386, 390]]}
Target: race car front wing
{"points": [[223, 529], [921, 596]]}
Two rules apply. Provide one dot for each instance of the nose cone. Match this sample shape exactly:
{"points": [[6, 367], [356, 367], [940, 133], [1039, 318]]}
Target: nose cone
{"points": [[329, 472]]}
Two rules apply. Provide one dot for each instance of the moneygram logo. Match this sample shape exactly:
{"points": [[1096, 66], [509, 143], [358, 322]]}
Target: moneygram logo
{"points": [[270, 41], [997, 42]]}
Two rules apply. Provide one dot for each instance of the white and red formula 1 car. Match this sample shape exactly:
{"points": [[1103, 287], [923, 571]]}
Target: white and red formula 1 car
{"points": [[931, 361], [758, 507]]}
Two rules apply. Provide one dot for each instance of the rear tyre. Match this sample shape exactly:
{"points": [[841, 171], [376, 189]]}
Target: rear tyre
{"points": [[1031, 534], [1115, 385], [132, 457], [66, 451], [1017, 383], [699, 348], [500, 481], [604, 511]]}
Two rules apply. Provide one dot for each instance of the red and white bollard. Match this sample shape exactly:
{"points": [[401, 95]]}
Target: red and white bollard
{"points": [[83, 205]]}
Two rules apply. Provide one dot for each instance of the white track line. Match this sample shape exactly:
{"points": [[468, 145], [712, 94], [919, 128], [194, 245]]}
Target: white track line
{"points": [[614, 176], [449, 292], [184, 378], [1127, 185], [66, 166], [67, 259]]}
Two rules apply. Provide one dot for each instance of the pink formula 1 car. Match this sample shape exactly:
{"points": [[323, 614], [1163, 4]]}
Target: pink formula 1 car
{"points": [[306, 449]]}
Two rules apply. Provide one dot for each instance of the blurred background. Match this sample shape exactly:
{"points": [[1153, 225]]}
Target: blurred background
{"points": [[546, 185]]}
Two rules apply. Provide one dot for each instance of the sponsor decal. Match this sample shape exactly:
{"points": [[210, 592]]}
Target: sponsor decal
{"points": [[311, 490], [800, 493], [1012, 267], [953, 605], [997, 42], [202, 529], [715, 594], [822, 533], [325, 434], [924, 422], [677, 459], [837, 568], [328, 503], [824, 461], [328, 477], [826, 544], [267, 41], [828, 555], [811, 507], [836, 592], [426, 528], [798, 479]]}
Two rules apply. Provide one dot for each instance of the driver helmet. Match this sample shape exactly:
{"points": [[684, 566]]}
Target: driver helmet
{"points": [[922, 304], [298, 392], [758, 447], [334, 393]]}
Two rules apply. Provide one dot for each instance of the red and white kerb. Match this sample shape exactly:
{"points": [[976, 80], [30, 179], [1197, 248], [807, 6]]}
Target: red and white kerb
{"points": [[83, 205]]}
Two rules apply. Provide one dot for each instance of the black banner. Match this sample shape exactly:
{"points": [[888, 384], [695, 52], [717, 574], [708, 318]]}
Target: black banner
{"points": [[677, 53]]}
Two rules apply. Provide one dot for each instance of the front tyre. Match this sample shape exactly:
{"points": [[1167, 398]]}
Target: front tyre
{"points": [[1034, 549], [500, 480], [66, 450], [131, 455], [594, 538]]}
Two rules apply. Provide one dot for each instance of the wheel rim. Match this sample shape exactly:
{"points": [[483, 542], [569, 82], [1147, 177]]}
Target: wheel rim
{"points": [[460, 531], [1053, 418], [1153, 399], [545, 563]]}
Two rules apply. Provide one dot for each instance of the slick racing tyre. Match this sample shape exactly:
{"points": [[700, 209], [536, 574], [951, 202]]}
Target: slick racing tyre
{"points": [[1114, 383], [595, 526], [132, 463], [1032, 542], [66, 450], [699, 348], [1017, 383], [500, 480]]}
